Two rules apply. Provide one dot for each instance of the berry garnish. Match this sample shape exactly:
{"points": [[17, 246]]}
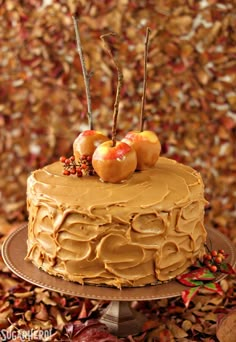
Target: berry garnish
{"points": [[214, 253], [81, 167], [214, 259], [213, 268], [62, 159]]}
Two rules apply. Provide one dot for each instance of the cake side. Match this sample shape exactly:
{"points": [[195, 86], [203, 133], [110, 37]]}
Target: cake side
{"points": [[147, 229]]}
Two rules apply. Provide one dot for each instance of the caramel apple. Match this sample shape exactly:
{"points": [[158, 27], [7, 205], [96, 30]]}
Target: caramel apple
{"points": [[147, 147], [145, 143], [114, 164], [114, 161], [86, 143]]}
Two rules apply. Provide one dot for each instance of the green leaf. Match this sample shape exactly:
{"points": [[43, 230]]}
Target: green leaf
{"points": [[188, 295], [214, 287], [198, 264], [226, 268], [204, 274]]}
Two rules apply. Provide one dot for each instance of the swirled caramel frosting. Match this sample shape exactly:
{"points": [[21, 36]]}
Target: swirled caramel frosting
{"points": [[142, 231]]}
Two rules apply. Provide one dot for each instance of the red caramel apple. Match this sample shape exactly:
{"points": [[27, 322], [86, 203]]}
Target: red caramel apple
{"points": [[145, 143], [87, 142], [114, 163], [147, 147]]}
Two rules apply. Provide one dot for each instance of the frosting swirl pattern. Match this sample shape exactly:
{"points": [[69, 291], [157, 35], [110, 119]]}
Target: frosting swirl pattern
{"points": [[144, 230]]}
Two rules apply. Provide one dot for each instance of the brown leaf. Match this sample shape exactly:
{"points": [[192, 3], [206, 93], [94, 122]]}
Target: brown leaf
{"points": [[202, 76], [38, 324], [197, 327], [186, 325], [180, 25], [25, 294], [41, 312], [44, 296], [28, 315], [211, 316], [6, 313], [3, 323], [60, 320], [176, 330], [226, 327], [161, 334]]}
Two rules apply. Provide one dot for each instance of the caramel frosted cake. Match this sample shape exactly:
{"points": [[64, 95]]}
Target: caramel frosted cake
{"points": [[134, 219], [146, 229]]}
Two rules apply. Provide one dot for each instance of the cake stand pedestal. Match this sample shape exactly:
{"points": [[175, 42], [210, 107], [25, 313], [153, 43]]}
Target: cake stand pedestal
{"points": [[120, 319]]}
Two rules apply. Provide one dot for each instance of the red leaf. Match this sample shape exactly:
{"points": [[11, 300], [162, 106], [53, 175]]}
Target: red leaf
{"points": [[196, 277], [189, 282], [77, 327], [83, 312], [206, 275], [150, 324], [178, 68], [214, 287], [188, 295], [91, 330], [94, 334], [165, 336]]}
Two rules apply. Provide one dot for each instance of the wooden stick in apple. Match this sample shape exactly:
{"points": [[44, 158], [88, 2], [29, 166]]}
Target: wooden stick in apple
{"points": [[88, 140], [142, 115], [145, 143], [86, 75], [114, 161], [117, 64]]}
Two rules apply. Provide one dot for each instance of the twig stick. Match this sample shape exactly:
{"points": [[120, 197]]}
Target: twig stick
{"points": [[119, 85], [86, 75], [142, 116]]}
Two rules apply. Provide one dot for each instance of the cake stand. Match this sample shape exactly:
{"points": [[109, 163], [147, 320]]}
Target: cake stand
{"points": [[120, 319]]}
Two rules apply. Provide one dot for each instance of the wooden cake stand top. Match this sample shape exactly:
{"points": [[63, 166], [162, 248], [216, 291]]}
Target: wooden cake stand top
{"points": [[120, 319], [14, 251]]}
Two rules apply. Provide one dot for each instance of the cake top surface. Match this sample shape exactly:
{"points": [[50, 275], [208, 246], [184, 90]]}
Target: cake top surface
{"points": [[165, 186]]}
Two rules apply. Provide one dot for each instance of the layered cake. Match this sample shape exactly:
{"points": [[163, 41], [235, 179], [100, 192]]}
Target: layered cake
{"points": [[147, 229]]}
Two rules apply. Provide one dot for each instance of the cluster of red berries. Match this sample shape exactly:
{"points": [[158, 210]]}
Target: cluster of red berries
{"points": [[213, 259], [81, 168]]}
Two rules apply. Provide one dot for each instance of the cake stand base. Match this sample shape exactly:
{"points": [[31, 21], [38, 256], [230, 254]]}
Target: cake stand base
{"points": [[122, 320], [119, 317]]}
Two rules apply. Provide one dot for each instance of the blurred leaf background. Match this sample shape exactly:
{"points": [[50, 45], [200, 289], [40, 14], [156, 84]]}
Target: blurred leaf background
{"points": [[191, 98]]}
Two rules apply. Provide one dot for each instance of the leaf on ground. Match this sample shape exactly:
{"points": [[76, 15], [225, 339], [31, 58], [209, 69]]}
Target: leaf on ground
{"points": [[226, 327], [91, 330], [150, 324], [177, 331]]}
